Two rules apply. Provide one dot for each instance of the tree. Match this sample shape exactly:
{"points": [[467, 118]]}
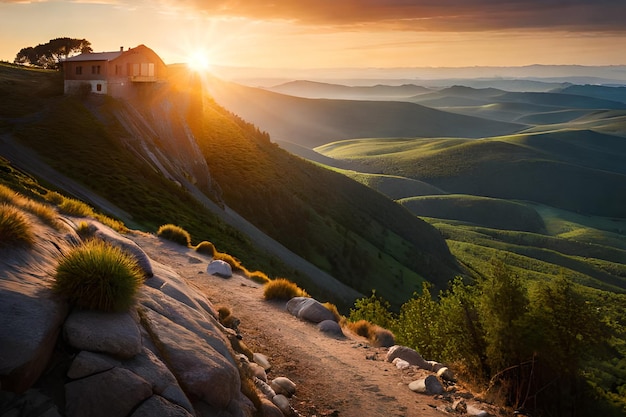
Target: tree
{"points": [[49, 55]]}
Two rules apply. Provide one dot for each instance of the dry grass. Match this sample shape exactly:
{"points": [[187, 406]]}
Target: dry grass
{"points": [[259, 277], [98, 276], [282, 289], [175, 233], [43, 211], [234, 263], [377, 336], [15, 229], [206, 248], [333, 309]]}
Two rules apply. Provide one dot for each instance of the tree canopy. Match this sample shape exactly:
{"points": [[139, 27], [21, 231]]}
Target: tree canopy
{"points": [[49, 55]]}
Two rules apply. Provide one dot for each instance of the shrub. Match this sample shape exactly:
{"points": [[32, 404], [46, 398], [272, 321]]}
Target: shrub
{"points": [[234, 263], [54, 197], [15, 229], [73, 207], [98, 276], [84, 230], [360, 327], [175, 234], [282, 289], [378, 336], [206, 248]]}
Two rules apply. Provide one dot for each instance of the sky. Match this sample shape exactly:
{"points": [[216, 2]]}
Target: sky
{"points": [[332, 33]]}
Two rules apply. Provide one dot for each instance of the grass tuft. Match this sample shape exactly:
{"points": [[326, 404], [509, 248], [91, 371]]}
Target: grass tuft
{"points": [[377, 336], [259, 277], [175, 233], [234, 263], [333, 309], [282, 289], [98, 276], [15, 229], [206, 248], [73, 207]]}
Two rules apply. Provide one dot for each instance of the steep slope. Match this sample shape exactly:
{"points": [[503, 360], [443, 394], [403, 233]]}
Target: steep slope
{"points": [[356, 235], [311, 123]]}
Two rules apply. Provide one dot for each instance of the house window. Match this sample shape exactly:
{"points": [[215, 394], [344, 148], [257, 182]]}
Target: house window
{"points": [[98, 87], [118, 70], [136, 69], [79, 70], [95, 69]]}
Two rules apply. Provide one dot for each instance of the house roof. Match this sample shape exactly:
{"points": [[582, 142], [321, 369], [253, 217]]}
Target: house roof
{"points": [[95, 56]]}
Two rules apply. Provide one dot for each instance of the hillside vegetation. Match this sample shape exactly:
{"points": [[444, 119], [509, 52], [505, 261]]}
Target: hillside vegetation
{"points": [[357, 235]]}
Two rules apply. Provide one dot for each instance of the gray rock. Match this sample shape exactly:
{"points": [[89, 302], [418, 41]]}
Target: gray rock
{"points": [[331, 328], [309, 309], [159, 406], [429, 385], [283, 404], [148, 366], [196, 321], [446, 374], [113, 393], [220, 268], [407, 354], [284, 386], [89, 363], [30, 323], [262, 360], [264, 388], [114, 333], [201, 370], [111, 236]]}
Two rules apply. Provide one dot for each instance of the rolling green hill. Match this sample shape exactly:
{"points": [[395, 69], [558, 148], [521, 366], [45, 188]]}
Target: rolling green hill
{"points": [[339, 225], [311, 123]]}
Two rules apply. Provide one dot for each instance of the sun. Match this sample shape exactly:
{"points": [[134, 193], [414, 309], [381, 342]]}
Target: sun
{"points": [[199, 61]]}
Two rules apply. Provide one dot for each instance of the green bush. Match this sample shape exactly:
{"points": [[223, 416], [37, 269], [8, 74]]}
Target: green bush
{"points": [[15, 229], [98, 276], [175, 233], [282, 289]]}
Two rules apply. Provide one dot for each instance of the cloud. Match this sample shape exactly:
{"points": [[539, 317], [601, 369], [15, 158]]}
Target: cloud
{"points": [[430, 15]]}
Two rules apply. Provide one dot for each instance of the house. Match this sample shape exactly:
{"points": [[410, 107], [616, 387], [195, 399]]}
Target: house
{"points": [[119, 74]]}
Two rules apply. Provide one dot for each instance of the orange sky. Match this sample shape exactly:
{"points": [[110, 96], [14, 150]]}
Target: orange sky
{"points": [[338, 33]]}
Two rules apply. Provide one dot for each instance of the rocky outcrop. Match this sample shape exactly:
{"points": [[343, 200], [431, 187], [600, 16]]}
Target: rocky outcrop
{"points": [[167, 356]]}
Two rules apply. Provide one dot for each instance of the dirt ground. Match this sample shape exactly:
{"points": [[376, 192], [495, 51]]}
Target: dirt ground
{"points": [[335, 377]]}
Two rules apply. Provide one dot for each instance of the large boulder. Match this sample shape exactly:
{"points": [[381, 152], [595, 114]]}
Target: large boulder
{"points": [[90, 363], [407, 354], [114, 393], [309, 309], [202, 371], [30, 322], [114, 333]]}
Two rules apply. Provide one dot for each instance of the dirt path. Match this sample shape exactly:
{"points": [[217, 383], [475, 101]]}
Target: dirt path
{"points": [[335, 377]]}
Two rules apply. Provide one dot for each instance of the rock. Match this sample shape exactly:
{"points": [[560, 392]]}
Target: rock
{"points": [[268, 409], [284, 386], [429, 385], [474, 411], [407, 354], [109, 235], [446, 374], [148, 366], [330, 327], [400, 363], [264, 388], [159, 406], [201, 370], [262, 360], [282, 403], [434, 366], [30, 323], [113, 393], [89, 363], [30, 403], [309, 309], [114, 333], [257, 371], [220, 268]]}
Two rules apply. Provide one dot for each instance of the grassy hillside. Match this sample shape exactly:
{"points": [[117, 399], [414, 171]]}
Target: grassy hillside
{"points": [[488, 212], [579, 171], [345, 228], [311, 123], [311, 89]]}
